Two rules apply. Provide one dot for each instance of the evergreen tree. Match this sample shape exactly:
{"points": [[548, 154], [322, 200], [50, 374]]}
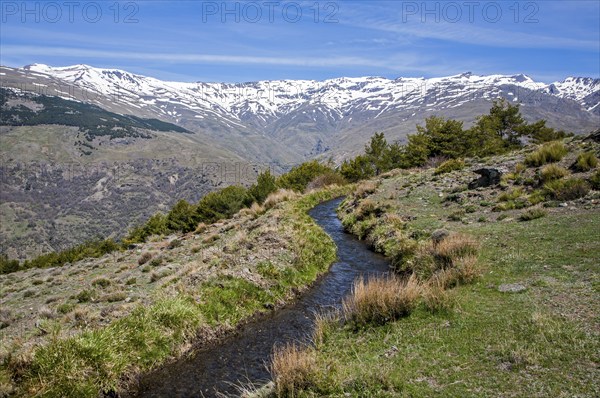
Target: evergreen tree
{"points": [[265, 184], [357, 169], [375, 152]]}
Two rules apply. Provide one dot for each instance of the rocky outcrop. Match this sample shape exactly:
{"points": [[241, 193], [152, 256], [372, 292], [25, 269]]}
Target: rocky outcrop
{"points": [[489, 177]]}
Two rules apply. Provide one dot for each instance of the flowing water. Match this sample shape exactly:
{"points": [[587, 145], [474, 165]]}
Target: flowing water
{"points": [[243, 357]]}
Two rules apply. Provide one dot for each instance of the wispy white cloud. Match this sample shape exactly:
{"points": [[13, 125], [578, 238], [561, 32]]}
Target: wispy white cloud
{"points": [[394, 63], [389, 19]]}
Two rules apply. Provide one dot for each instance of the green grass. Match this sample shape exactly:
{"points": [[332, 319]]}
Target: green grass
{"points": [[94, 361]]}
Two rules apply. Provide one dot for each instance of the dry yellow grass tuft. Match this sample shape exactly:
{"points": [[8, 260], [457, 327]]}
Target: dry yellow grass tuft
{"points": [[381, 299], [200, 228], [454, 247], [292, 369], [254, 211], [450, 262], [281, 195]]}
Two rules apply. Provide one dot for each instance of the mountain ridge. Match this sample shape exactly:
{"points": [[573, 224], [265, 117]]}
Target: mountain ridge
{"points": [[301, 119]]}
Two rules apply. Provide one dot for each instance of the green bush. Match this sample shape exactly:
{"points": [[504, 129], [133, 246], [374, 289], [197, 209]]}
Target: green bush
{"points": [[450, 165], [359, 168], [220, 205], [182, 217], [548, 153], [585, 162], [156, 225], [299, 177], [568, 189]]}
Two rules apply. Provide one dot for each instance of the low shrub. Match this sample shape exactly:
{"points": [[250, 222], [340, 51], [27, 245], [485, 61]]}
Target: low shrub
{"points": [[568, 189], [379, 300], [585, 162], [157, 261], [113, 297], [548, 153], [456, 215], [449, 165], [65, 308], [532, 214], [85, 296], [174, 244]]}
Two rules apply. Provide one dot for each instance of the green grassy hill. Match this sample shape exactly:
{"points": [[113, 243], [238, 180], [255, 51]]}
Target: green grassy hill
{"points": [[519, 319]]}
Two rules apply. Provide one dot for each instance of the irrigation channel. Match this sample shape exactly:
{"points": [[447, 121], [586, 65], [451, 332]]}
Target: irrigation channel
{"points": [[241, 358]]}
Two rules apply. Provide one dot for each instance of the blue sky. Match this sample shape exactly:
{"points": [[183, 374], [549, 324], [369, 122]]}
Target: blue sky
{"points": [[255, 40]]}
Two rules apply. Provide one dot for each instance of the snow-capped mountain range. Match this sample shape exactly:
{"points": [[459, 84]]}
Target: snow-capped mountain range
{"points": [[307, 116]]}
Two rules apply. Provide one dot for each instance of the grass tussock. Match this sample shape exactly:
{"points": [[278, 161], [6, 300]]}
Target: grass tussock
{"points": [[436, 298], [381, 300], [453, 260], [585, 162], [292, 369], [552, 172], [548, 153], [595, 180]]}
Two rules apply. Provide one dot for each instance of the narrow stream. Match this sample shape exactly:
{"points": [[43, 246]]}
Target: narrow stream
{"points": [[217, 370]]}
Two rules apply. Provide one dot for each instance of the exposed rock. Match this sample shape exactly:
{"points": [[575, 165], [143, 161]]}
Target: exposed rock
{"points": [[511, 288], [595, 136], [489, 177]]}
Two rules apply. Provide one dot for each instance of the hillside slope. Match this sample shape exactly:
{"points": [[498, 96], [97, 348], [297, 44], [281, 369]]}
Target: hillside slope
{"points": [[87, 173], [98, 323]]}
